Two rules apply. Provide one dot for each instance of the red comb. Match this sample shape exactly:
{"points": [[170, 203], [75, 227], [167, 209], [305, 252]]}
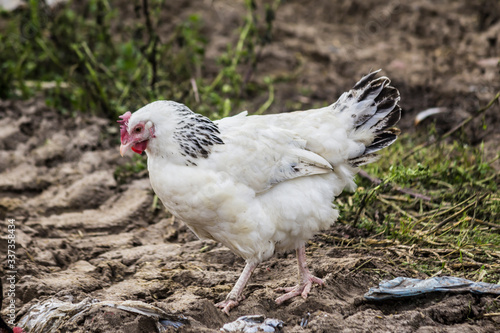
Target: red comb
{"points": [[124, 124]]}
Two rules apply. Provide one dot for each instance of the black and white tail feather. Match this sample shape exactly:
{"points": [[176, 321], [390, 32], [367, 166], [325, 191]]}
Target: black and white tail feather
{"points": [[374, 106]]}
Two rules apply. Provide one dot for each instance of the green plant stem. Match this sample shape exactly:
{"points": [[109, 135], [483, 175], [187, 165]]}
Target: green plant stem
{"points": [[263, 108], [94, 61], [151, 45], [238, 50], [48, 51]]}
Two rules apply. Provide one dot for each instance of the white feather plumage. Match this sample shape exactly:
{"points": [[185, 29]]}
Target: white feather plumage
{"points": [[271, 183]]}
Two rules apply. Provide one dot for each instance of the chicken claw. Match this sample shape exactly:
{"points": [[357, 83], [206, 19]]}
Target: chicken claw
{"points": [[307, 279], [234, 297], [302, 289], [228, 304]]}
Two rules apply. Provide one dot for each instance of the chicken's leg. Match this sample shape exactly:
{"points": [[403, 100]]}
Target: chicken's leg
{"points": [[234, 297], [306, 279]]}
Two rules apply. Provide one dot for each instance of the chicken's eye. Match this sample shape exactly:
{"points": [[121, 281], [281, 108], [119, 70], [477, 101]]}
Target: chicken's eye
{"points": [[138, 129]]}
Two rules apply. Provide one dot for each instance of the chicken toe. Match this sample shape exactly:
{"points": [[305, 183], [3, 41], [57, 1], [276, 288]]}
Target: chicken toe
{"points": [[227, 305], [235, 296], [307, 279]]}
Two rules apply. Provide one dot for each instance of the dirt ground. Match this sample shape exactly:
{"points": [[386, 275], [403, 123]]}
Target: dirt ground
{"points": [[80, 233]]}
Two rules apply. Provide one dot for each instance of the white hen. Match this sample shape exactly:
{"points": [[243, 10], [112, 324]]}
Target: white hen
{"points": [[262, 184]]}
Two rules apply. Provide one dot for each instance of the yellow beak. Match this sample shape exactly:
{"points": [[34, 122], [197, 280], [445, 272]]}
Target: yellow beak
{"points": [[124, 148]]}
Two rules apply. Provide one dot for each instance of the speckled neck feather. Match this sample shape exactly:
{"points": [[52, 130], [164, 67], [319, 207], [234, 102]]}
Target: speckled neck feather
{"points": [[196, 134]]}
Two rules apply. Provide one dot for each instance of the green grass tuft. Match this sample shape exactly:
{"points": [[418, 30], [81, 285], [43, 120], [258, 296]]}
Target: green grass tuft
{"points": [[462, 219]]}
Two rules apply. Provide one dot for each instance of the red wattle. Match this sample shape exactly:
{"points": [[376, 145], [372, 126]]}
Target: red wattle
{"points": [[140, 147]]}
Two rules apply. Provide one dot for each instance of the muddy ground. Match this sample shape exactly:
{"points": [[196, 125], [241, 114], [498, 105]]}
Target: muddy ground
{"points": [[81, 233]]}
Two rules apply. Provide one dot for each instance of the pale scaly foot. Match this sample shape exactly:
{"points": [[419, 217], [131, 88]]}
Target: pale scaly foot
{"points": [[307, 279], [234, 297], [228, 304]]}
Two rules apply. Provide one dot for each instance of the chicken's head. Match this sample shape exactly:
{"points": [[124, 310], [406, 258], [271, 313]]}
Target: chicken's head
{"points": [[169, 130], [135, 136]]}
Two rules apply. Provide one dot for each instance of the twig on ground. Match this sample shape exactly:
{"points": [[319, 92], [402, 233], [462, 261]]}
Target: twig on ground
{"points": [[491, 225], [364, 201], [399, 209], [378, 181], [453, 226], [360, 266], [449, 218], [440, 212]]}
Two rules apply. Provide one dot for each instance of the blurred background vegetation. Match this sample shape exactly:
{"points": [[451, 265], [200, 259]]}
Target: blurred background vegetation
{"points": [[83, 60]]}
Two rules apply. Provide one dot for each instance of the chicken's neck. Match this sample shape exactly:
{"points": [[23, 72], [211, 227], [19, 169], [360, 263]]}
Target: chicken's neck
{"points": [[196, 135], [192, 138]]}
